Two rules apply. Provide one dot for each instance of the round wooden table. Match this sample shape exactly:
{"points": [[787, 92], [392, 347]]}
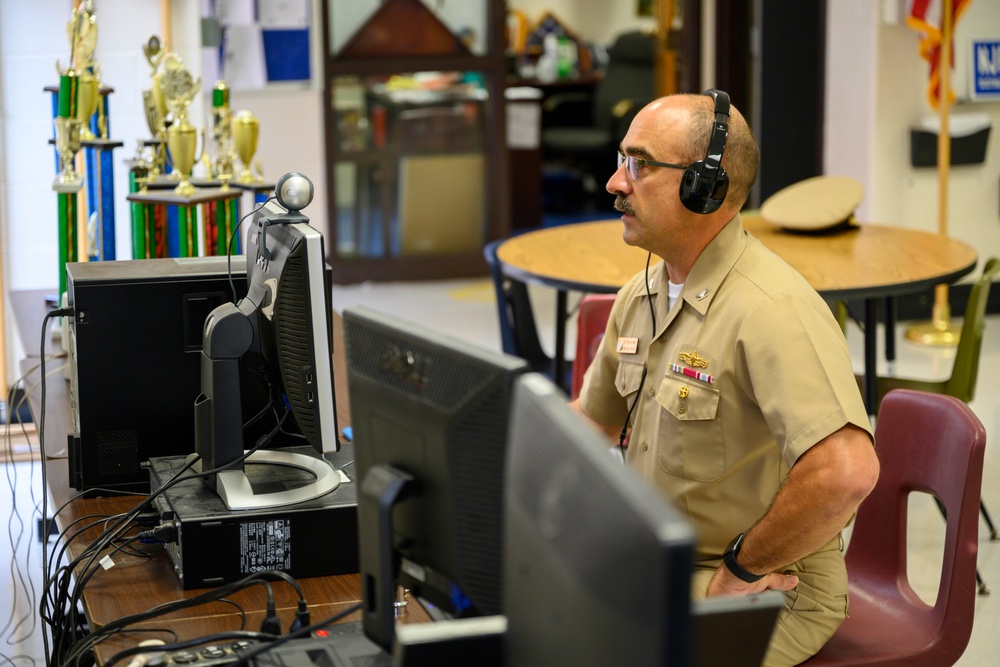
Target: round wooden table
{"points": [[869, 262]]}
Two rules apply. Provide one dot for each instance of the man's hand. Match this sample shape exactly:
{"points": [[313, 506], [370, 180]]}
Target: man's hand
{"points": [[725, 582]]}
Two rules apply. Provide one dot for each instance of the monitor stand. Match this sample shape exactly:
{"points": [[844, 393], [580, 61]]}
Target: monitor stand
{"points": [[235, 490]]}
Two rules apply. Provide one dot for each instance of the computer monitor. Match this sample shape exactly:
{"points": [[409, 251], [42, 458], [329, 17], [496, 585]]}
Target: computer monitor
{"points": [[281, 332], [429, 416], [598, 565]]}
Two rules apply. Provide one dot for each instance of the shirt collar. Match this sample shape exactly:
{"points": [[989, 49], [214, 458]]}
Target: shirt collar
{"points": [[714, 264], [709, 270]]}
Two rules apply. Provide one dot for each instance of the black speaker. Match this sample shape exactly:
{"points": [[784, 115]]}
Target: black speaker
{"points": [[135, 343], [705, 183]]}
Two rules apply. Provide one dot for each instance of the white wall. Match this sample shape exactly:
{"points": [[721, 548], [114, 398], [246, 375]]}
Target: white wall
{"points": [[32, 37], [851, 47], [870, 111]]}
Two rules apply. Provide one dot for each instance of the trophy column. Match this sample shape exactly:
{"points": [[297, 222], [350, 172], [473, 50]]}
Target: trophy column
{"points": [[98, 172], [68, 181], [99, 159], [80, 116], [147, 242], [185, 240], [219, 217]]}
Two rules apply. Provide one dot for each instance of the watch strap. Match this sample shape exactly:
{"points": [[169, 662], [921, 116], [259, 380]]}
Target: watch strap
{"points": [[729, 558]]}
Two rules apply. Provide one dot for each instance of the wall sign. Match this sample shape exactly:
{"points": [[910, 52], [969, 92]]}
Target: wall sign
{"points": [[985, 70]]}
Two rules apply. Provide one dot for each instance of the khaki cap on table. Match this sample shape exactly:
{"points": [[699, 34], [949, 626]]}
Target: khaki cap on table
{"points": [[815, 205]]}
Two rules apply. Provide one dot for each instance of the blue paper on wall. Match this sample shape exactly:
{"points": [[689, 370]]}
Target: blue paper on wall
{"points": [[286, 54]]}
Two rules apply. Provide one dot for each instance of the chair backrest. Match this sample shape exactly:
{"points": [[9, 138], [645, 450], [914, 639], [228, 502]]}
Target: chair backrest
{"points": [[931, 443], [629, 75], [962, 383], [518, 333], [591, 321]]}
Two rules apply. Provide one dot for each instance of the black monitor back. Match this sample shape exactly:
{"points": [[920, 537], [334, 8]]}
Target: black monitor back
{"points": [[435, 409], [135, 348], [598, 566]]}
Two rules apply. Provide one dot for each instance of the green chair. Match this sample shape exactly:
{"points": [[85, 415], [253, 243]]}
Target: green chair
{"points": [[962, 382]]}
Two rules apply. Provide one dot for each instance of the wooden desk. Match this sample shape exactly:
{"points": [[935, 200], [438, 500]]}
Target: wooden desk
{"points": [[871, 263], [137, 584]]}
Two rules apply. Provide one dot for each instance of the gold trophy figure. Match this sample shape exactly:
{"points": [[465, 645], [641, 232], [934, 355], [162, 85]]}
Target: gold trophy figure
{"points": [[68, 145], [82, 32], [220, 164], [246, 127], [154, 105], [154, 121], [154, 56], [179, 89], [222, 161]]}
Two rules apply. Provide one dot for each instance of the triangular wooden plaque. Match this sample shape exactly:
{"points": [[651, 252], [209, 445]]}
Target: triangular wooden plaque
{"points": [[403, 28]]}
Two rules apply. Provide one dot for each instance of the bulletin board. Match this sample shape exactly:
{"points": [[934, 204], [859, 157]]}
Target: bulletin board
{"points": [[259, 42]]}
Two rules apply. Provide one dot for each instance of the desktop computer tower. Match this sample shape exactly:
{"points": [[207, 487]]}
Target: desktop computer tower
{"points": [[135, 358]]}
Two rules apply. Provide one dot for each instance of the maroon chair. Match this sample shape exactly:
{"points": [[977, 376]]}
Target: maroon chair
{"points": [[929, 443], [591, 321]]}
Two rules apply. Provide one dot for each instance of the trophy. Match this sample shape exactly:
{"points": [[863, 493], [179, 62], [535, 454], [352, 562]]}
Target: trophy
{"points": [[221, 162], [67, 145], [154, 106], [89, 97], [82, 32], [179, 89], [246, 126]]}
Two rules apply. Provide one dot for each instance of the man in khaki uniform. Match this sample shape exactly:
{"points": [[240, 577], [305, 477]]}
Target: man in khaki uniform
{"points": [[732, 376]]}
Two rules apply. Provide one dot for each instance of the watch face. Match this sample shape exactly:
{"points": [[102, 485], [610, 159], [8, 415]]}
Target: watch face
{"points": [[734, 546]]}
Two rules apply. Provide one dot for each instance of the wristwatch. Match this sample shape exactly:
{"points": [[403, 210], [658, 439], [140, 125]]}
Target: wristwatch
{"points": [[729, 558]]}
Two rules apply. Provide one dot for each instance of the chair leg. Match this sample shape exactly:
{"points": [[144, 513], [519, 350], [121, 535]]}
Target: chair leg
{"points": [[981, 585], [989, 522]]}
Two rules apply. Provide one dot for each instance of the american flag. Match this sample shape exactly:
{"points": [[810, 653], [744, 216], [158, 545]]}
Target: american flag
{"points": [[926, 17]]}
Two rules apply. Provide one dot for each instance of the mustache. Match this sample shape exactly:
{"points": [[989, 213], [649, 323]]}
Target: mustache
{"points": [[623, 205]]}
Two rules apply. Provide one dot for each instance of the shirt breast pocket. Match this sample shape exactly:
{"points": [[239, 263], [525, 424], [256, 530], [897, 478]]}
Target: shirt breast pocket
{"points": [[629, 378], [690, 434]]}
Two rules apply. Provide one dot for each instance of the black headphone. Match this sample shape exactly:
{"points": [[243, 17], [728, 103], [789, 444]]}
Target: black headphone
{"points": [[705, 183]]}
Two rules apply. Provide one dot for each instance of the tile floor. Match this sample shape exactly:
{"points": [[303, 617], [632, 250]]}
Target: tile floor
{"points": [[466, 309]]}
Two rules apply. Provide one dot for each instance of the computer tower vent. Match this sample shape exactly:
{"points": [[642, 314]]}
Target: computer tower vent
{"points": [[118, 452]]}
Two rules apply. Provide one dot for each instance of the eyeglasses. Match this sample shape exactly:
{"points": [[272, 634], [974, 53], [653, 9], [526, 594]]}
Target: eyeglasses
{"points": [[632, 164]]}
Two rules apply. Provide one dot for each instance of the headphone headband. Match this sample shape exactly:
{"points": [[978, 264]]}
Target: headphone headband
{"points": [[705, 183]]}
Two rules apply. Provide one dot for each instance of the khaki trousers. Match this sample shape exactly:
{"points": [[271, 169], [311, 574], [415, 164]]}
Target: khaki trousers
{"points": [[813, 610]]}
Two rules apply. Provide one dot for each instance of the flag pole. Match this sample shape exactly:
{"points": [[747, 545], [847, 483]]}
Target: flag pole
{"points": [[940, 330]]}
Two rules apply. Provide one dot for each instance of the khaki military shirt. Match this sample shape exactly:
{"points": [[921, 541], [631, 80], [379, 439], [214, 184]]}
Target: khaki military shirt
{"points": [[743, 375]]}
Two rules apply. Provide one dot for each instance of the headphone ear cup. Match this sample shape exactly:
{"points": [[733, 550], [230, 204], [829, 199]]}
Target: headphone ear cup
{"points": [[690, 181], [721, 188], [695, 194]]}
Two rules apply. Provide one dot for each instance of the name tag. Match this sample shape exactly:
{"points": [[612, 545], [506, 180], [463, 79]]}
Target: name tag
{"points": [[628, 345]]}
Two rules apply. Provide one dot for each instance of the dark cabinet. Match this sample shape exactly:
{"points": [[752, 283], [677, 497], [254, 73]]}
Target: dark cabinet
{"points": [[415, 143]]}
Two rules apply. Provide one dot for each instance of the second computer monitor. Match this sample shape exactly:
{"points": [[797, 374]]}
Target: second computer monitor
{"points": [[429, 415], [598, 566]]}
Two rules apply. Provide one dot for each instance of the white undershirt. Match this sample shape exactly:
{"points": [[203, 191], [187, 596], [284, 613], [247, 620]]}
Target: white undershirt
{"points": [[673, 291]]}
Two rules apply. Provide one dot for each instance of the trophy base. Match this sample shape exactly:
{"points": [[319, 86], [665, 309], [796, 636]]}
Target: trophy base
{"points": [[936, 333], [185, 189], [68, 184], [248, 178]]}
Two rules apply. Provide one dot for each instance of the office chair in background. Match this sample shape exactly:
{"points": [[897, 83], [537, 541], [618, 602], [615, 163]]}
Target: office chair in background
{"points": [[590, 142], [930, 443], [518, 332], [591, 322]]}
